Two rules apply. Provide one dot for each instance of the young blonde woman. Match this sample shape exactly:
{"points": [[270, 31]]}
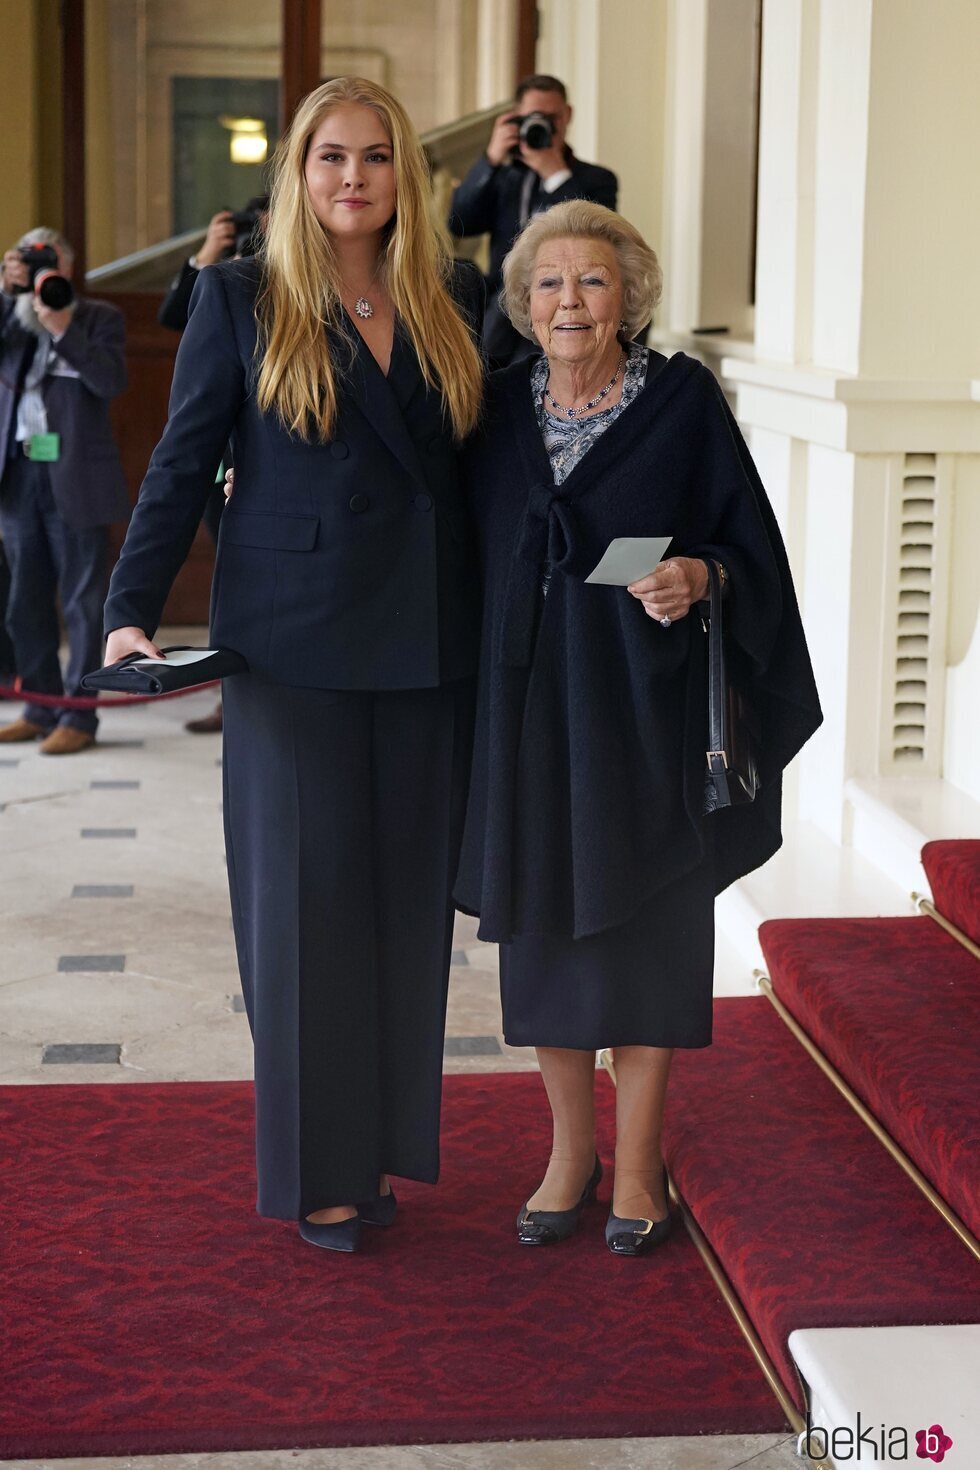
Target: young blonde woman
{"points": [[342, 366]]}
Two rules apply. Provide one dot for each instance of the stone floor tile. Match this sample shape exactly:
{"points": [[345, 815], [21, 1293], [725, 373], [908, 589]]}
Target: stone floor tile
{"points": [[483, 956], [62, 1053], [91, 1006], [472, 1046], [19, 1058], [216, 1050], [90, 963], [706, 1452], [102, 890], [453, 1065]]}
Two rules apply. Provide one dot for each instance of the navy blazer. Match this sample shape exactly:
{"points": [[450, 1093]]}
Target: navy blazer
{"points": [[87, 480], [346, 564]]}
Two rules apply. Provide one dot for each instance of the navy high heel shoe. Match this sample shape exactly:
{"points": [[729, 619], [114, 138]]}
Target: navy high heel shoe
{"points": [[636, 1237], [342, 1235], [380, 1211], [547, 1227]]}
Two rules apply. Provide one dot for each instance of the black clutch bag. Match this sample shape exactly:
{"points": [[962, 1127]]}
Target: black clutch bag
{"points": [[732, 777], [184, 668]]}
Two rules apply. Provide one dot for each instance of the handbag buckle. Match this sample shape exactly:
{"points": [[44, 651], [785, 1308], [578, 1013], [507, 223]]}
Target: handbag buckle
{"points": [[721, 753]]}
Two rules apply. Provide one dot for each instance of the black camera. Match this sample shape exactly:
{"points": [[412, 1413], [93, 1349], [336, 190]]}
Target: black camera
{"points": [[536, 129], [246, 222], [248, 225], [46, 280]]}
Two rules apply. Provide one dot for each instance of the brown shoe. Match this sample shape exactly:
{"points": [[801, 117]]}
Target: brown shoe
{"points": [[65, 740], [20, 730], [206, 725]]}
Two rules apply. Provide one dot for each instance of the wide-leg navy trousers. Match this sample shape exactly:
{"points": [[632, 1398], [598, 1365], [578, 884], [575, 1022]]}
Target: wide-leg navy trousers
{"points": [[343, 813]]}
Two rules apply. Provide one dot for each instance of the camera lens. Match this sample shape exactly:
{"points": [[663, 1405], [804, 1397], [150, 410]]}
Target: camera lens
{"points": [[537, 130], [55, 291]]}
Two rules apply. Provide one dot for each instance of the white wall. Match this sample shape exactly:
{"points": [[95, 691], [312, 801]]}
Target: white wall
{"points": [[961, 763]]}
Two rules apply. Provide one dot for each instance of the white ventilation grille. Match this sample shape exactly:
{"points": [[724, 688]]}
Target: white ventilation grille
{"points": [[916, 587]]}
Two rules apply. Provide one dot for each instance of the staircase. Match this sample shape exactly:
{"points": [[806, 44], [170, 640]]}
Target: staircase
{"points": [[827, 1146]]}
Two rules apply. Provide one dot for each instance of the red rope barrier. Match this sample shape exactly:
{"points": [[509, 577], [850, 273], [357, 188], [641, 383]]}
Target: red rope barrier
{"points": [[83, 701]]}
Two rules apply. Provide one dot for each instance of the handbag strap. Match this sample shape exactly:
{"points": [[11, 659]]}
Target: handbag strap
{"points": [[717, 712]]}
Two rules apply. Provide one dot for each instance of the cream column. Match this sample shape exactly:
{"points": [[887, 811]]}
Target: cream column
{"points": [[496, 45], [611, 55], [867, 336]]}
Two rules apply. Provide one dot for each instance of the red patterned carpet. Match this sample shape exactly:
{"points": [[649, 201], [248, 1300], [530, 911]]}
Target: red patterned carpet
{"points": [[150, 1310], [814, 1223], [953, 870], [893, 1005]]}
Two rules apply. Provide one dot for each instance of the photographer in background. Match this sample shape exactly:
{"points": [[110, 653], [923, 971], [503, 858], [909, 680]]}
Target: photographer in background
{"points": [[231, 235], [61, 480], [527, 168]]}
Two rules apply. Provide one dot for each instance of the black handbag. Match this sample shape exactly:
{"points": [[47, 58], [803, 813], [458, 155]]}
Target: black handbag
{"points": [[138, 674], [732, 777]]}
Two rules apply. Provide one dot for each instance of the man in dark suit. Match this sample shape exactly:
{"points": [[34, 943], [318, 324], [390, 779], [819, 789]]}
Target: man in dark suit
{"points": [[511, 182], [61, 484]]}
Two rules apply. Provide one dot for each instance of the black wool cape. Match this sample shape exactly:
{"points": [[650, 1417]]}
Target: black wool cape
{"points": [[589, 762]]}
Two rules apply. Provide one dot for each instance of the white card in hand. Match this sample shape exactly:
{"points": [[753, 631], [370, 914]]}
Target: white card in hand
{"points": [[179, 658], [629, 558]]}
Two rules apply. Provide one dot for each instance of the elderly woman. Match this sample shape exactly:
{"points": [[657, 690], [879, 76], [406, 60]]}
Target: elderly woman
{"points": [[587, 852]]}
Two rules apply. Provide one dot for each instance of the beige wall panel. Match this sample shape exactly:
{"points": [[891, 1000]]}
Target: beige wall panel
{"points": [[728, 180], [420, 43], [18, 120], [920, 312], [611, 55]]}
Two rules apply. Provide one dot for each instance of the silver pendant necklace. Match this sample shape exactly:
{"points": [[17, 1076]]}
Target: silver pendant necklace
{"points": [[362, 306], [572, 413]]}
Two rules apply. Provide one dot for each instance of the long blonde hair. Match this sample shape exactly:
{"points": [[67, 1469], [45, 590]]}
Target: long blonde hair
{"points": [[300, 293]]}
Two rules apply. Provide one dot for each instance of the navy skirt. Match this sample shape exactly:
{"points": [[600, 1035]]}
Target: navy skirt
{"points": [[647, 982]]}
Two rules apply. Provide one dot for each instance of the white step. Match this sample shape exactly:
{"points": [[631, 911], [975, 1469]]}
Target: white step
{"points": [[893, 817], [898, 1379], [810, 877]]}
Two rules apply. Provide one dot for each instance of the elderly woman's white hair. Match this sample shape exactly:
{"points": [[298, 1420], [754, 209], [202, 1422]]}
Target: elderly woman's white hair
{"points": [[579, 219]]}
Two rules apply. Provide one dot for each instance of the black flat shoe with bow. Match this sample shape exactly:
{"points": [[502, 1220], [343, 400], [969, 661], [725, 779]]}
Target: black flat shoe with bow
{"points": [[547, 1227], [636, 1237]]}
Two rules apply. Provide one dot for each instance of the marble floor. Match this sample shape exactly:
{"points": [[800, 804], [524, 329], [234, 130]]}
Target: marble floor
{"points": [[117, 965]]}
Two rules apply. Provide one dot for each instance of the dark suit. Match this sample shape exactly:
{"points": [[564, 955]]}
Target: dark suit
{"points": [[489, 201], [174, 306], [173, 314], [345, 575], [53, 516]]}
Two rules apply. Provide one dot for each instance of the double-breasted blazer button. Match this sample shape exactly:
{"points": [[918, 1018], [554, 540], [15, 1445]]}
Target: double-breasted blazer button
{"points": [[339, 449], [423, 502], [359, 503]]}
